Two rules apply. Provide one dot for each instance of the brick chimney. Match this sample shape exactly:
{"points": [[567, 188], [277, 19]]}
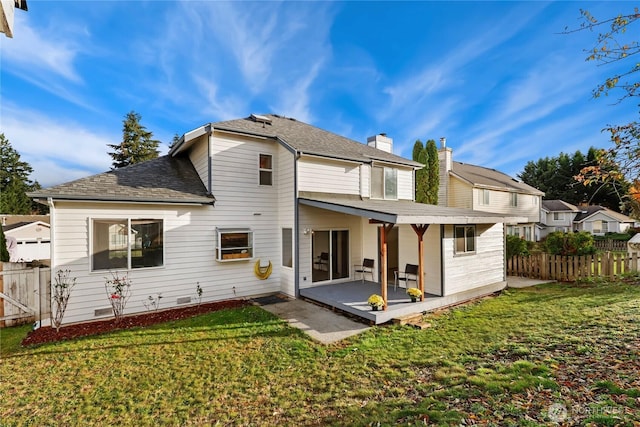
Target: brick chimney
{"points": [[381, 142], [445, 159]]}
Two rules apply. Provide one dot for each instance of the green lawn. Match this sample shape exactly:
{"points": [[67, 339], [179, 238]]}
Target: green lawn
{"points": [[502, 361]]}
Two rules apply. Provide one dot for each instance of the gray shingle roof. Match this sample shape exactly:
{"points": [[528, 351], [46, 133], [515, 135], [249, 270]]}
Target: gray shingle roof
{"points": [[558, 205], [162, 180], [309, 139], [587, 211], [482, 176]]}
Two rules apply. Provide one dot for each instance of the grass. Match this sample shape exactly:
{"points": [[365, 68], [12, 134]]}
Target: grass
{"points": [[502, 361]]}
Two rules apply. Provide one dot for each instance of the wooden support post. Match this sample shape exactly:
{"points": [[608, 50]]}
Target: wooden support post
{"points": [[384, 231], [420, 230]]}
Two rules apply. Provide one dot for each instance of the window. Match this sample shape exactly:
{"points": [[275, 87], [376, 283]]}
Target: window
{"points": [[465, 238], [557, 216], [266, 169], [600, 227], [127, 243], [234, 245], [287, 247], [384, 183], [527, 233], [513, 199], [484, 197]]}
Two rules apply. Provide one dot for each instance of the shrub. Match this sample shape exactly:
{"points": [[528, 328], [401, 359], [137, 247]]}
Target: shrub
{"points": [[516, 246], [580, 243]]}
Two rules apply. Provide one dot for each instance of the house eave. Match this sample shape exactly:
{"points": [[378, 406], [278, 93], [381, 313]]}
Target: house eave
{"points": [[120, 200]]}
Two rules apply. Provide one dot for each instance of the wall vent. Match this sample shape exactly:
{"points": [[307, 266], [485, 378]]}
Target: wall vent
{"points": [[103, 312], [183, 300]]}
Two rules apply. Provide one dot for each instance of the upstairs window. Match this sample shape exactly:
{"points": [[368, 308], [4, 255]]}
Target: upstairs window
{"points": [[465, 239], [484, 197], [557, 216], [266, 169], [384, 183], [513, 199]]}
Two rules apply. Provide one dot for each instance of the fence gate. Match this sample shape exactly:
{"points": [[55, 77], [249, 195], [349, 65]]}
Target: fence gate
{"points": [[25, 293]]}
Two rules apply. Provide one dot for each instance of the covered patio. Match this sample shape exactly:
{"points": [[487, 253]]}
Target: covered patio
{"points": [[352, 296]]}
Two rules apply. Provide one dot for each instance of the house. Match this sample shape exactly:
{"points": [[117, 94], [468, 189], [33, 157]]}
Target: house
{"points": [[482, 189], [28, 237], [7, 8], [234, 197], [599, 220], [556, 215]]}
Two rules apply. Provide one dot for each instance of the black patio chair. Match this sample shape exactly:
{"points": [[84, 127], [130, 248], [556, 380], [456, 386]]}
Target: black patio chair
{"points": [[365, 268], [410, 274]]}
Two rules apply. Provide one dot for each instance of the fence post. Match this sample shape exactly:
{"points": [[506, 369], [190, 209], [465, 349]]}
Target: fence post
{"points": [[36, 288]]}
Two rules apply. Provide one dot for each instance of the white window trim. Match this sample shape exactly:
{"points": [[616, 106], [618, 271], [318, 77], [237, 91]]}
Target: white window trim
{"points": [[475, 240], [260, 169], [128, 220], [384, 183], [250, 249]]}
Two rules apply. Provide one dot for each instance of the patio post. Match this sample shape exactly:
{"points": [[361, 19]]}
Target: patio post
{"points": [[383, 260], [420, 230]]}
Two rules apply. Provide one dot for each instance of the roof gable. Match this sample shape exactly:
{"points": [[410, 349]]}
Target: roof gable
{"points": [[485, 177], [559, 206], [589, 212], [162, 180]]}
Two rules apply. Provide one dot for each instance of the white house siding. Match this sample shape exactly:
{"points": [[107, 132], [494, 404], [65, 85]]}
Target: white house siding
{"points": [[198, 154], [328, 176], [286, 212], [500, 202], [405, 184], [460, 194], [33, 242], [613, 226], [365, 180], [484, 267], [319, 219], [408, 254]]}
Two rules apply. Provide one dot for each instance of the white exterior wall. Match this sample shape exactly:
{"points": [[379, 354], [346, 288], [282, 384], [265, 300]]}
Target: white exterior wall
{"points": [[484, 267], [198, 155], [405, 184], [460, 194], [613, 226], [320, 219], [500, 202], [328, 176], [286, 213]]}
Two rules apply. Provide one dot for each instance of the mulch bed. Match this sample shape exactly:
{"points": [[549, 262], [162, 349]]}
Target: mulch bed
{"points": [[67, 332]]}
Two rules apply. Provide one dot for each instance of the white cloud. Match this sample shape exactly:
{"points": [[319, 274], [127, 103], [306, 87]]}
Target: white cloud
{"points": [[58, 150]]}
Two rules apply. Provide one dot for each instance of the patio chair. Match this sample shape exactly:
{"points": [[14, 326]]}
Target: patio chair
{"points": [[410, 274], [322, 262], [365, 268]]}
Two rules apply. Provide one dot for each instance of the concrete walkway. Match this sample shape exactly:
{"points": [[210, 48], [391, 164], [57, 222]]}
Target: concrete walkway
{"points": [[321, 324]]}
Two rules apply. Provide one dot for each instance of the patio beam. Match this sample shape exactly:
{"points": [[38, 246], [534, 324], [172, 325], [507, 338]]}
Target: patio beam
{"points": [[420, 230], [384, 232]]}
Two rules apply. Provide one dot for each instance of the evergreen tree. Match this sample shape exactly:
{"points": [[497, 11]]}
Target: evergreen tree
{"points": [[433, 170], [137, 143], [4, 252], [14, 181]]}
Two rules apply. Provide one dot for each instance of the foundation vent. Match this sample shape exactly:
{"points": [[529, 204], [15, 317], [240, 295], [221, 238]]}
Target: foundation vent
{"points": [[103, 312], [183, 300]]}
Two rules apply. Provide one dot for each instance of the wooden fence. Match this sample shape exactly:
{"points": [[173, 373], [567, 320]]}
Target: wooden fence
{"points": [[25, 293], [611, 245], [571, 268]]}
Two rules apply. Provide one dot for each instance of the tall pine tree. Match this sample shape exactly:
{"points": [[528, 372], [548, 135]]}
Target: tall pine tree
{"points": [[137, 143], [14, 181]]}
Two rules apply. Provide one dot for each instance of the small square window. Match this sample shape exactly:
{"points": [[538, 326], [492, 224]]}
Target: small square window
{"points": [[234, 245], [266, 169]]}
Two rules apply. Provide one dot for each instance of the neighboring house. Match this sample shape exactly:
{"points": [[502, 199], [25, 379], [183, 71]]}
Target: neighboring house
{"points": [[599, 220], [28, 237], [7, 8], [556, 215], [475, 187], [268, 189]]}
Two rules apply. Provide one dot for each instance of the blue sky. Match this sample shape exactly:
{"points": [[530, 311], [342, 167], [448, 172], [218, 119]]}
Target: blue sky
{"points": [[495, 79]]}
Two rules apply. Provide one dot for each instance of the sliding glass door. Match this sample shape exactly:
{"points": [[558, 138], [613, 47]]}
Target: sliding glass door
{"points": [[330, 251]]}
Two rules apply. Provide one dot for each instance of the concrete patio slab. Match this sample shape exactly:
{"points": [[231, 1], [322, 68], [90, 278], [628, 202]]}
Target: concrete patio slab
{"points": [[321, 324]]}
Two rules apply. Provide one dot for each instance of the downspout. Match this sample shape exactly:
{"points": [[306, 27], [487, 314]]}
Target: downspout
{"points": [[296, 235], [52, 210]]}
